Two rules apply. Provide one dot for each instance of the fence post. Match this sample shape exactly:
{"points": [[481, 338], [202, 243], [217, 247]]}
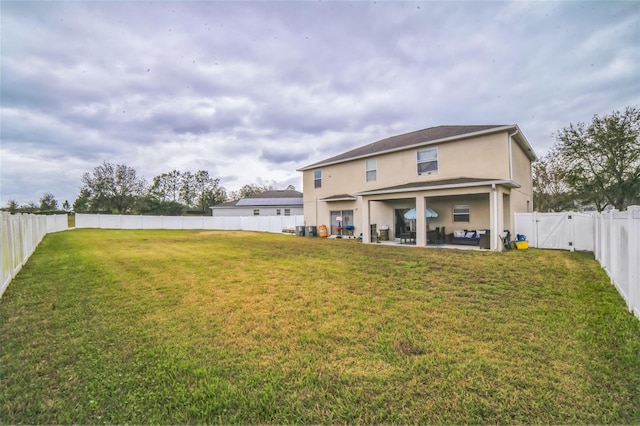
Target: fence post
{"points": [[610, 246], [570, 216], [633, 216], [534, 229], [596, 237]]}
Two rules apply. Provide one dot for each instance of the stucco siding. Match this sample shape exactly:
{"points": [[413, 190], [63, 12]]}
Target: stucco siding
{"points": [[521, 169]]}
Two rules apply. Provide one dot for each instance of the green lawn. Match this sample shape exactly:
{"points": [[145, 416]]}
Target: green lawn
{"points": [[232, 327]]}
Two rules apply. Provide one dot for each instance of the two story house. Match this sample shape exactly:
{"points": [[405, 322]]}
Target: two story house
{"points": [[473, 177]]}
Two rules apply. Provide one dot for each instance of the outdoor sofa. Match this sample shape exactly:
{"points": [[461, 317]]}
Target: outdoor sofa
{"points": [[466, 237]]}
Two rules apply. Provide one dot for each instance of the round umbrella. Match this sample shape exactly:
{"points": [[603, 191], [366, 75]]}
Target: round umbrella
{"points": [[411, 214]]}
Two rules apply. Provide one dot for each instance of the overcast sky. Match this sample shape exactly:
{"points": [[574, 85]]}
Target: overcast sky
{"points": [[251, 91]]}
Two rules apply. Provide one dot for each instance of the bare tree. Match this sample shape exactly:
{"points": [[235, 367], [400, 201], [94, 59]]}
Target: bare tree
{"points": [[550, 189]]}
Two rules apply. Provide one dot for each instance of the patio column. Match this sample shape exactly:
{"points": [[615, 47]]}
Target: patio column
{"points": [[421, 222], [366, 222], [493, 218]]}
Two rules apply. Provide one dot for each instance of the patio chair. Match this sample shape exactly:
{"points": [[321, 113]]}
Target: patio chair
{"points": [[506, 240]]}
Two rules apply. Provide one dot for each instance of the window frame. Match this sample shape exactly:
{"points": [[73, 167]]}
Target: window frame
{"points": [[456, 216], [368, 170], [278, 211], [427, 161], [317, 178], [287, 212], [256, 212]]}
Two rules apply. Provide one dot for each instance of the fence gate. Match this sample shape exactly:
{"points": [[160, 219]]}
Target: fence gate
{"points": [[563, 231], [551, 231]]}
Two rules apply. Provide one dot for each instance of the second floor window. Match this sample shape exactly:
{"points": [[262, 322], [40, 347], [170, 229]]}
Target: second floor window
{"points": [[428, 161], [372, 170], [317, 178], [287, 212], [256, 212], [277, 212]]}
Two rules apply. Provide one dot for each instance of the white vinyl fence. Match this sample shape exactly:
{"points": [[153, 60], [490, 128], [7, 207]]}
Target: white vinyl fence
{"points": [[274, 224], [21, 234], [613, 237]]}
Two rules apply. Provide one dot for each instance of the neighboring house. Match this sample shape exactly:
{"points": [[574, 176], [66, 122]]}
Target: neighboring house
{"points": [[270, 203], [473, 177]]}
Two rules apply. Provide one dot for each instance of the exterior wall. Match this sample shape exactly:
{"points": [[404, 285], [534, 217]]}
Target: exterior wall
{"points": [[521, 199], [479, 157], [478, 212], [248, 211], [521, 166]]}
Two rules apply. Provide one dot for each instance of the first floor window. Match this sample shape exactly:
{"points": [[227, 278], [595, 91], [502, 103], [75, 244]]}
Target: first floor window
{"points": [[461, 214], [256, 212], [317, 178], [428, 161]]}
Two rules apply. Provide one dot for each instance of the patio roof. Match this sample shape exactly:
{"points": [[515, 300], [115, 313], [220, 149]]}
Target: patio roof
{"points": [[463, 182]]}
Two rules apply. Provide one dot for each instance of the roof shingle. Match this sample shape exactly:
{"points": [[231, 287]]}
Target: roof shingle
{"points": [[406, 140]]}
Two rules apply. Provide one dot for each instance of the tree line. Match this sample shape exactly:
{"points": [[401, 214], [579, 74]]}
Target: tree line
{"points": [[591, 166], [118, 189]]}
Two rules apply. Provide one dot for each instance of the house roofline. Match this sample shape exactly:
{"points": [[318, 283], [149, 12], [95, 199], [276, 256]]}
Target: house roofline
{"points": [[523, 144], [507, 183], [235, 207], [346, 198]]}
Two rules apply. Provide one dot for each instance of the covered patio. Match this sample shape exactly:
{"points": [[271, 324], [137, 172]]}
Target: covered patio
{"points": [[459, 205]]}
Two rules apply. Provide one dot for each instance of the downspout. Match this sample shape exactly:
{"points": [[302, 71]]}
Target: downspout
{"points": [[497, 238]]}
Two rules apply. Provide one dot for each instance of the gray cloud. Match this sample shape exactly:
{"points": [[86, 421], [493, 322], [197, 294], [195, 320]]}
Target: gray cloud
{"points": [[253, 90]]}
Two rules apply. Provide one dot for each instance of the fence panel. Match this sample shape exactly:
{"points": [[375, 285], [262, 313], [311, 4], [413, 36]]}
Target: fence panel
{"points": [[20, 234], [619, 254], [583, 232], [273, 224], [613, 237], [130, 222]]}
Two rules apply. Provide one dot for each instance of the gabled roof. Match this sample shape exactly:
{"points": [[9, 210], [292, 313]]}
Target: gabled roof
{"points": [[424, 137], [284, 197]]}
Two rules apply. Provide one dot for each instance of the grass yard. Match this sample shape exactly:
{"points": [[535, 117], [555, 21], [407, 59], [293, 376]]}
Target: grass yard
{"points": [[230, 327]]}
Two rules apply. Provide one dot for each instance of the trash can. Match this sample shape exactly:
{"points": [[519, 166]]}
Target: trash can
{"points": [[485, 241], [323, 231], [384, 234], [299, 231], [311, 231], [374, 233]]}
